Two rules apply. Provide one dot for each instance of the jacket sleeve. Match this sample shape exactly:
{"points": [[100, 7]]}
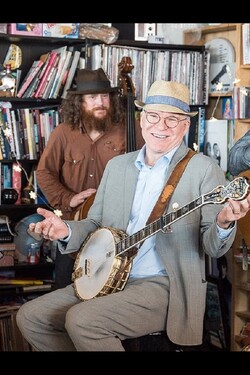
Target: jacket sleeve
{"points": [[239, 155]]}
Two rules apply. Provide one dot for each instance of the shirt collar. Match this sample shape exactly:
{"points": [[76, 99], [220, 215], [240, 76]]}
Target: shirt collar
{"points": [[140, 160]]}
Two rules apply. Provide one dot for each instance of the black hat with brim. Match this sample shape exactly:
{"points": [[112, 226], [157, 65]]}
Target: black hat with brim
{"points": [[92, 82]]}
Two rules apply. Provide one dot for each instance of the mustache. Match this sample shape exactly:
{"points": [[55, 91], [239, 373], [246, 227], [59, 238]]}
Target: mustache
{"points": [[101, 107]]}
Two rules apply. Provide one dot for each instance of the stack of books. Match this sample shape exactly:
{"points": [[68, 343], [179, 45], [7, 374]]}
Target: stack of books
{"points": [[51, 75]]}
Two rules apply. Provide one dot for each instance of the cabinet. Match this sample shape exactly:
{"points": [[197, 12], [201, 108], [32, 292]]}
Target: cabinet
{"points": [[232, 32]]}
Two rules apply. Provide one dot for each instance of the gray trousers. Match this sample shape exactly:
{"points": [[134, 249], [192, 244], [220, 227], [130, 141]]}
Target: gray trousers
{"points": [[60, 321]]}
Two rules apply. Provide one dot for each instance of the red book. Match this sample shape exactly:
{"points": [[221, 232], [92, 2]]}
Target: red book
{"points": [[35, 68], [43, 81]]}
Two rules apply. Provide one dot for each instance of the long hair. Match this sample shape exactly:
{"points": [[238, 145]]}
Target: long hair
{"points": [[71, 110]]}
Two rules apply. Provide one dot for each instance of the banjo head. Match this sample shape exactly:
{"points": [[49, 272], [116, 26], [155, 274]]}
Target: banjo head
{"points": [[95, 262]]}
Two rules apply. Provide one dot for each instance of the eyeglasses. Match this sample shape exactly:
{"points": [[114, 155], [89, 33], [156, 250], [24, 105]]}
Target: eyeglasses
{"points": [[170, 122]]}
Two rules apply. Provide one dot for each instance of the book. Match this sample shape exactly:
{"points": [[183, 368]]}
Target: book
{"points": [[30, 29], [25, 134], [20, 131], [30, 134], [9, 139], [4, 281], [33, 71], [61, 30], [246, 43], [62, 72], [17, 181], [51, 61], [62, 53], [15, 134], [36, 288], [71, 74], [227, 108]]}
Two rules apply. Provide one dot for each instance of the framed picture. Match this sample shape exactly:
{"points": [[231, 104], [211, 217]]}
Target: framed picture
{"points": [[216, 327], [216, 141], [143, 30]]}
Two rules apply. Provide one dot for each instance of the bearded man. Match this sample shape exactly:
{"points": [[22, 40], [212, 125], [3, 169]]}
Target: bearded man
{"points": [[92, 132]]}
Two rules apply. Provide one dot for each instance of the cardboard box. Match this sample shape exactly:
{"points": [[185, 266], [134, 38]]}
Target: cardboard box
{"points": [[61, 30], [30, 29]]}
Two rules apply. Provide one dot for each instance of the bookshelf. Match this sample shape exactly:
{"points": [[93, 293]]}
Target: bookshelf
{"points": [[182, 63], [233, 33], [32, 47]]}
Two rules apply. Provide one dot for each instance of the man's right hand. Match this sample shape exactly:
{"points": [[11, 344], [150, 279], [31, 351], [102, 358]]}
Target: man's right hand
{"points": [[51, 228], [80, 197]]}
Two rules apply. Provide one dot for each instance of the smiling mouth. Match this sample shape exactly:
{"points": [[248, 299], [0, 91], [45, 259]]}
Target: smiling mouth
{"points": [[159, 136]]}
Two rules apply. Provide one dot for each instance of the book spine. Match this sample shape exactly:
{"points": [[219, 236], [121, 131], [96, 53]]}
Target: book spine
{"points": [[30, 77], [17, 181], [29, 133], [51, 61]]}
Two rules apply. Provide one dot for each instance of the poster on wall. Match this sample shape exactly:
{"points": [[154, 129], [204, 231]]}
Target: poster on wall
{"points": [[222, 65], [216, 141]]}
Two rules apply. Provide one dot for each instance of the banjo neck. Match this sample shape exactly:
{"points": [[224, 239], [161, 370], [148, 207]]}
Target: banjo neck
{"points": [[236, 189]]}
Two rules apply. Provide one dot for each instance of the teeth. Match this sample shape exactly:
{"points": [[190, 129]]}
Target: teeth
{"points": [[159, 136]]}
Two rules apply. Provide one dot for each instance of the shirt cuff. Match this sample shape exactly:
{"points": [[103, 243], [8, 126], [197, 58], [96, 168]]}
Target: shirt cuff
{"points": [[66, 239], [224, 233]]}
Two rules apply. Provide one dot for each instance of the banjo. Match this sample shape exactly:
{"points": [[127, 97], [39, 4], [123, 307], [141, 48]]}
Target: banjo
{"points": [[104, 261]]}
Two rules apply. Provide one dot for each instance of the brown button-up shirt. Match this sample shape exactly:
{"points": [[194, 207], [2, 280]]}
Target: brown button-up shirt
{"points": [[72, 162]]}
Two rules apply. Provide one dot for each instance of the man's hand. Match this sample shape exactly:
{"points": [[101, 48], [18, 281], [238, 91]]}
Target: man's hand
{"points": [[233, 211], [51, 228], [80, 197]]}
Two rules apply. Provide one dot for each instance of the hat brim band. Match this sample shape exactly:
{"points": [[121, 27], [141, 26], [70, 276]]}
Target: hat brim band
{"points": [[85, 86], [168, 100], [92, 91]]}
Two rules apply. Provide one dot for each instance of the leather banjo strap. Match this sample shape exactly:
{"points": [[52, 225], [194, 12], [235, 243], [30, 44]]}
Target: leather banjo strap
{"points": [[168, 190], [163, 199]]}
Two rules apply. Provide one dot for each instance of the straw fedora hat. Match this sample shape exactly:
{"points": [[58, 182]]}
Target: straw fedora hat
{"points": [[92, 82], [167, 96]]}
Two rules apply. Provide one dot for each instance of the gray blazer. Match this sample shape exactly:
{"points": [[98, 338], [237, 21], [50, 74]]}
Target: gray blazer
{"points": [[182, 250]]}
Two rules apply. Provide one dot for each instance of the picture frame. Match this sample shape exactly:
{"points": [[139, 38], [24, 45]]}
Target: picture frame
{"points": [[143, 30], [216, 327], [216, 141]]}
